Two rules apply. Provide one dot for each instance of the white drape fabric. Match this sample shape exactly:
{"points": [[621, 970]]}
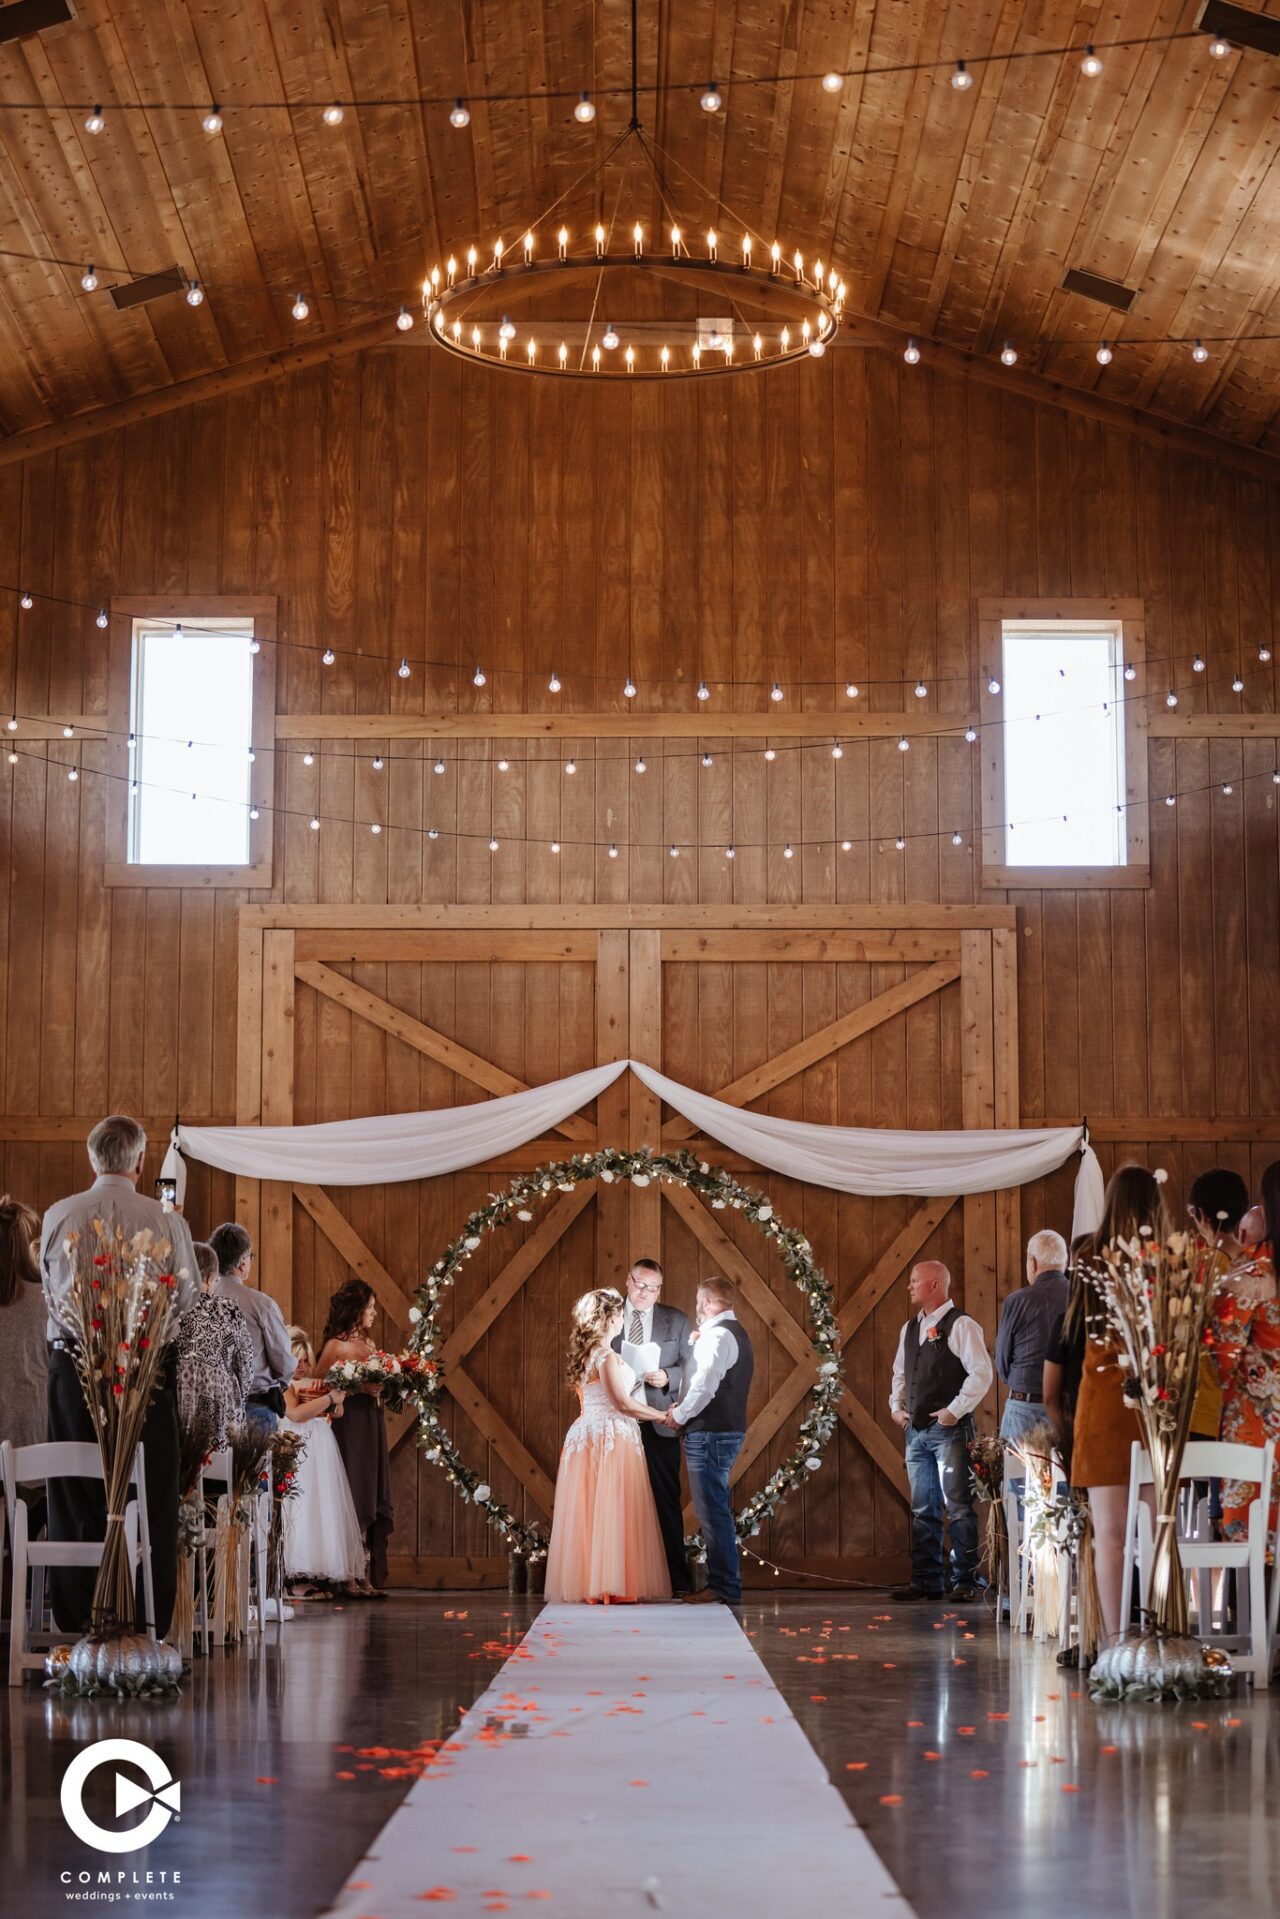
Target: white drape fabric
{"points": [[846, 1159]]}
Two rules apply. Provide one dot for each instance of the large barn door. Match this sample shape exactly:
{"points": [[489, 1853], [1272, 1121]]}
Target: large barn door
{"points": [[891, 1023]]}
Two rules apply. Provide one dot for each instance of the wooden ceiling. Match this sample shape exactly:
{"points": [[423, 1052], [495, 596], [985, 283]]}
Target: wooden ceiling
{"points": [[951, 215]]}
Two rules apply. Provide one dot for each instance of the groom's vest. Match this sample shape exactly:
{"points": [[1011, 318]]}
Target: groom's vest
{"points": [[726, 1411]]}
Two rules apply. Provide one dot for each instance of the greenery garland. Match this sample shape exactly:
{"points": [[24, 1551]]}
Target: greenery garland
{"points": [[426, 1380]]}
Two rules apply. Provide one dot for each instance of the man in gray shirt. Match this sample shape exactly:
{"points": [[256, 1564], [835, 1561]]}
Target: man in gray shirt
{"points": [[1028, 1320], [77, 1507], [274, 1363]]}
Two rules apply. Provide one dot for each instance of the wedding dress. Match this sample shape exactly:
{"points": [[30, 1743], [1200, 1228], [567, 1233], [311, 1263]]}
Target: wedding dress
{"points": [[321, 1532], [605, 1541]]}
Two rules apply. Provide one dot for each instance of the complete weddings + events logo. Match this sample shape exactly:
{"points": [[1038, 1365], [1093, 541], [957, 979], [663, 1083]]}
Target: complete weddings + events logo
{"points": [[162, 1794]]}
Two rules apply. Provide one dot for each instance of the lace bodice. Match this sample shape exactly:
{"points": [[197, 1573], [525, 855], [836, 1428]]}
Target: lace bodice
{"points": [[600, 1423]]}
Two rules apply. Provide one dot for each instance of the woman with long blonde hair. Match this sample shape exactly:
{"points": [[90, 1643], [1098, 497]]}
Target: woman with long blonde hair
{"points": [[606, 1546]]}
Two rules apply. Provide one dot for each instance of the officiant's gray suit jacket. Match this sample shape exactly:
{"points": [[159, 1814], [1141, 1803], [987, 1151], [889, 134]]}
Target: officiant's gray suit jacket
{"points": [[671, 1334]]}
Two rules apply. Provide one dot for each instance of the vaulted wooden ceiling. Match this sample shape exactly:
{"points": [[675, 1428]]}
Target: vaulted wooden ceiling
{"points": [[951, 215]]}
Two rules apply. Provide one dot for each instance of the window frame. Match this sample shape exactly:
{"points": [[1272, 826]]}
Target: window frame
{"points": [[1129, 618], [259, 611]]}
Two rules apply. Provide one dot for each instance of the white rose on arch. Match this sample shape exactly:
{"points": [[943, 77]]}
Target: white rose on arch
{"points": [[481, 1493]]}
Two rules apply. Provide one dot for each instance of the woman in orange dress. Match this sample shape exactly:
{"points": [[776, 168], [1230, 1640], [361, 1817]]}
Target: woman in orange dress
{"points": [[1105, 1425], [1245, 1336], [606, 1545]]}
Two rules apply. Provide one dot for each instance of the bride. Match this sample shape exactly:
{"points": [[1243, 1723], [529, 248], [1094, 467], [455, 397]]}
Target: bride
{"points": [[605, 1541]]}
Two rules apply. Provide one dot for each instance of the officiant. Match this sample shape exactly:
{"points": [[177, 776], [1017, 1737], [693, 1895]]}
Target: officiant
{"points": [[647, 1322]]}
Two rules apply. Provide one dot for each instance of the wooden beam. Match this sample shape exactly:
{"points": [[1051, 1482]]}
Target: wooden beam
{"points": [[344, 1238], [858, 332], [424, 943], [553, 1225], [495, 1429], [622, 725], [904, 1246], [64, 1127], [832, 947], [565, 919], [424, 1039], [828, 1039], [203, 386], [735, 1265], [1214, 726], [275, 1242], [869, 1434], [1174, 1129]]}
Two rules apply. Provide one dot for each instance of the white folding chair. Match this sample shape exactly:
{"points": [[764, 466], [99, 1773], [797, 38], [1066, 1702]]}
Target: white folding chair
{"points": [[61, 1459], [1250, 1645], [217, 1468], [1018, 1598]]}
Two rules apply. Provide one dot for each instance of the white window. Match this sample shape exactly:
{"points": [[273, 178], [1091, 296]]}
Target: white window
{"points": [[1064, 743], [1064, 784], [192, 759]]}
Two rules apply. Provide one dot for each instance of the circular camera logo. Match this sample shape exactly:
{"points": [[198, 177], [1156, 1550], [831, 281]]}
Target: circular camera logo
{"points": [[165, 1795]]}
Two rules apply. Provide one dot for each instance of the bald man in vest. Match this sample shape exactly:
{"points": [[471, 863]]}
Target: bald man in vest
{"points": [[941, 1374]]}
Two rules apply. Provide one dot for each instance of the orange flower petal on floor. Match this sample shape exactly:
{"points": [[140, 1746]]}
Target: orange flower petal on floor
{"points": [[439, 1893], [891, 1799], [978, 1773], [856, 1765]]}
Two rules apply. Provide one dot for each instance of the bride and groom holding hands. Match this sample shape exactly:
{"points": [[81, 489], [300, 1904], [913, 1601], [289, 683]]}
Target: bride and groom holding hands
{"points": [[651, 1389]]}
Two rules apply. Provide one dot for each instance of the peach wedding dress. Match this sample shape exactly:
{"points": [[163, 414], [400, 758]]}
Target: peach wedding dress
{"points": [[605, 1542]]}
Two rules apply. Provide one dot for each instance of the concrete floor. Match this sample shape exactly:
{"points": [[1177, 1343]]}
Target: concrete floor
{"points": [[983, 1776]]}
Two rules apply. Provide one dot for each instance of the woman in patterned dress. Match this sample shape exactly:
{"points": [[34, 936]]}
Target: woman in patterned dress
{"points": [[215, 1355], [1245, 1336]]}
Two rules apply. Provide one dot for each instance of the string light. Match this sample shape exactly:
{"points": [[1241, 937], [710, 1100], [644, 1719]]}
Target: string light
{"points": [[704, 691], [640, 765], [1237, 685], [459, 114], [333, 115], [308, 759], [770, 753], [1104, 355], [788, 852], [832, 82], [377, 762], [837, 751], [707, 760], [74, 774], [1171, 698], [584, 113], [961, 79], [504, 766], [212, 122], [96, 122], [571, 766], [911, 353], [403, 670], [102, 619], [195, 294], [1219, 48], [851, 690], [328, 657], [730, 853], [438, 767], [1090, 66], [613, 852], [957, 839], [493, 846], [315, 823], [374, 827], [89, 280], [404, 320], [433, 832], [1227, 788], [26, 602], [1199, 352], [1008, 354], [775, 691], [553, 684], [846, 846], [904, 744], [970, 734], [12, 724], [921, 690], [711, 101], [1264, 653], [1170, 799], [673, 852], [1197, 664], [477, 678], [1130, 671], [901, 844], [629, 688]]}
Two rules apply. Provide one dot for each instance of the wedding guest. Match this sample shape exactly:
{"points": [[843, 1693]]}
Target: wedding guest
{"points": [[1105, 1425], [606, 1545], [711, 1419], [216, 1355], [273, 1361], [941, 1374], [24, 1366], [646, 1321], [362, 1432], [1246, 1347], [77, 1507], [1028, 1319], [322, 1542]]}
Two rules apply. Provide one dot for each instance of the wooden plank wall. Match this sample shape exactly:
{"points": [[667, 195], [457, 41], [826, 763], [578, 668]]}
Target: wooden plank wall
{"points": [[836, 521]]}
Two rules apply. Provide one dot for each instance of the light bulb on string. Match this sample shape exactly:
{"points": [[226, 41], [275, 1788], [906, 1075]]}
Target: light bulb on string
{"points": [[102, 619], [832, 82], [555, 846], [403, 670], [911, 353], [707, 760], [921, 690], [584, 113], [1008, 354], [374, 827], [1090, 66], [300, 309], [96, 122], [477, 678], [328, 657], [493, 846], [1197, 664], [673, 852], [851, 690], [74, 774], [504, 766], [640, 765], [1199, 352], [1171, 698], [553, 684], [1227, 788], [837, 751], [255, 645], [775, 691], [846, 846], [1130, 671], [957, 839], [704, 691], [571, 766], [404, 320], [730, 853], [377, 762], [212, 122], [609, 338], [993, 686], [1237, 685], [333, 115], [195, 294], [438, 767], [459, 115], [770, 754], [11, 725], [1104, 355], [788, 852], [69, 733], [433, 832], [904, 744], [901, 844], [26, 602], [1170, 799], [1264, 653], [308, 759], [970, 734], [315, 823], [961, 79], [613, 852], [1218, 47], [629, 688], [89, 280], [712, 100]]}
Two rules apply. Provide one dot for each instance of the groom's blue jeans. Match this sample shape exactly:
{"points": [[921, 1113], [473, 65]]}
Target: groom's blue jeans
{"points": [[709, 1458], [938, 1472]]}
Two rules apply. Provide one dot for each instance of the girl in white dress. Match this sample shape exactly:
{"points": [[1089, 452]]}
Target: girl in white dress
{"points": [[321, 1533]]}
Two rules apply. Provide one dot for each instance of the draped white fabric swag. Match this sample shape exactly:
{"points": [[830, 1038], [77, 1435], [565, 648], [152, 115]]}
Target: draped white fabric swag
{"points": [[846, 1159]]}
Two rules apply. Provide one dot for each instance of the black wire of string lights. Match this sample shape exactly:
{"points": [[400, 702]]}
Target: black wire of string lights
{"points": [[789, 847]]}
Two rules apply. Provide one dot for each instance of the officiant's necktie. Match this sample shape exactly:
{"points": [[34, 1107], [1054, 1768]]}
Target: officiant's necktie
{"points": [[636, 1333]]}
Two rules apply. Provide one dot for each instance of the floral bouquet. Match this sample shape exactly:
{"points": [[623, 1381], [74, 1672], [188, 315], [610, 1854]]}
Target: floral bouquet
{"points": [[1159, 1296], [394, 1374], [249, 1445], [285, 1452], [197, 1439], [986, 1483]]}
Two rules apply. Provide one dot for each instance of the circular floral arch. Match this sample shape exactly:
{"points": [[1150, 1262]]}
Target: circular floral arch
{"points": [[426, 1380]]}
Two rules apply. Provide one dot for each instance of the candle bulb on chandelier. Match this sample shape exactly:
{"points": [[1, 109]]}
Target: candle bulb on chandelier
{"points": [[563, 356], [775, 258], [711, 243], [528, 248], [630, 358], [675, 243], [472, 258], [451, 268], [797, 261], [595, 359], [599, 241], [758, 344], [664, 359], [746, 249], [497, 256], [637, 234], [562, 241]]}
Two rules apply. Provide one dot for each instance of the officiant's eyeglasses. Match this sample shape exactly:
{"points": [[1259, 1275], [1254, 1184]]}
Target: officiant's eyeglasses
{"points": [[647, 1285]]}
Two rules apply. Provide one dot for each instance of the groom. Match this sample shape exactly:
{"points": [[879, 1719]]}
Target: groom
{"points": [[712, 1417], [646, 1320]]}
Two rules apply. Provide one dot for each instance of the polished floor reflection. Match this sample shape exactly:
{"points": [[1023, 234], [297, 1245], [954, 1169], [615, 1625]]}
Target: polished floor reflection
{"points": [[983, 1775]]}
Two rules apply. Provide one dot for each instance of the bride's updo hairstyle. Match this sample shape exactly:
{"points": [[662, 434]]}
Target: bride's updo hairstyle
{"points": [[591, 1317]]}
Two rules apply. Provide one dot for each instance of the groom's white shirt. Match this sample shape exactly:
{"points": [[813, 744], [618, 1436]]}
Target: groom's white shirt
{"points": [[714, 1350]]}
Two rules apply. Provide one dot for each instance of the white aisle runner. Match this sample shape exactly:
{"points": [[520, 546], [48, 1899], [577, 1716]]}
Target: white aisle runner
{"points": [[626, 1760]]}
